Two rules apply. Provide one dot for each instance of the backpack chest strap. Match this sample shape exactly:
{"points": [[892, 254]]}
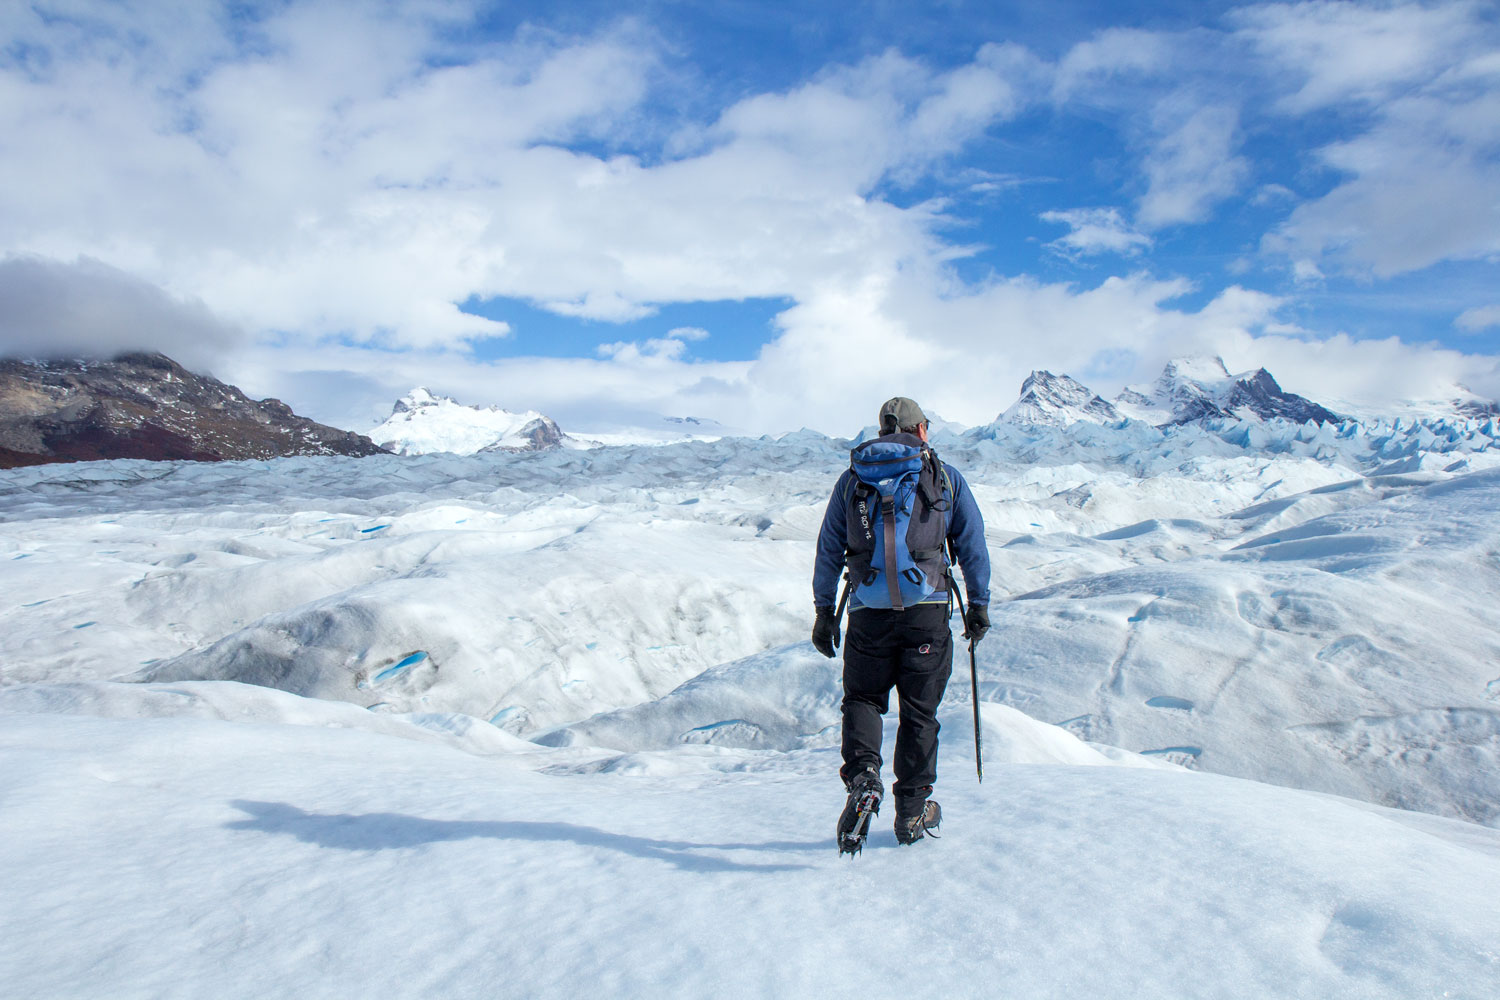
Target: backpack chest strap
{"points": [[893, 584]]}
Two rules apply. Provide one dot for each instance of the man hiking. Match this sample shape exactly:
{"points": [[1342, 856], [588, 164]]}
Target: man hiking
{"points": [[893, 520]]}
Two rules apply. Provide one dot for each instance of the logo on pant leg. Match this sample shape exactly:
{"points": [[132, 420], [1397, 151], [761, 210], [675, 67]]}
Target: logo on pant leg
{"points": [[925, 648]]}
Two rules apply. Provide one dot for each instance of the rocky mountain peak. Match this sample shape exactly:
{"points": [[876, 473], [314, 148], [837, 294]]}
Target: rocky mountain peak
{"points": [[147, 406], [418, 398], [1058, 400], [1197, 388], [423, 422]]}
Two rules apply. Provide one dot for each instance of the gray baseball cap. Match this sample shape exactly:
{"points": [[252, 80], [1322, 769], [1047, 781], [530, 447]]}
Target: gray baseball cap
{"points": [[906, 412]]}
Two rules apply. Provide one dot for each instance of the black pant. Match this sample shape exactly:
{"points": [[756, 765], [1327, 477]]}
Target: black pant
{"points": [[909, 650]]}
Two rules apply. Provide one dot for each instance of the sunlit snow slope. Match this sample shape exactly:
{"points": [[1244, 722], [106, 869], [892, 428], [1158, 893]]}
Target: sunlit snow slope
{"points": [[182, 857]]}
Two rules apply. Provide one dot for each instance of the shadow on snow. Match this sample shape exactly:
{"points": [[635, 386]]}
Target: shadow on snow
{"points": [[382, 831]]}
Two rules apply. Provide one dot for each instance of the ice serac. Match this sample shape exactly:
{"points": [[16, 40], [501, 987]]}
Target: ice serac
{"points": [[1476, 409], [1194, 389], [1058, 400], [147, 406], [423, 423]]}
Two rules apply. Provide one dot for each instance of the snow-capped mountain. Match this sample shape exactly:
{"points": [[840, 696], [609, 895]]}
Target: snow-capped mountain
{"points": [[652, 430], [423, 423], [1058, 400], [1192, 389]]}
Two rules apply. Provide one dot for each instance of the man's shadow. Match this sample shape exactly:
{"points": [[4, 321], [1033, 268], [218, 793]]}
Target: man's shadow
{"points": [[381, 831]]}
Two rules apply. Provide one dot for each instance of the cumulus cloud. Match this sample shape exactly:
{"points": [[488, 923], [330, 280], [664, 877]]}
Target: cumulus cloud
{"points": [[650, 350], [1416, 184], [1335, 52], [1095, 231], [1478, 319], [1193, 165], [1175, 97], [329, 174], [89, 309], [1368, 375], [1412, 182], [1100, 63], [355, 387]]}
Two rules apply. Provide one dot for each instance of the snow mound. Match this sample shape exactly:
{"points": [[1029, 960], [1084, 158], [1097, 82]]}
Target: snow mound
{"points": [[1269, 660], [789, 699], [231, 702]]}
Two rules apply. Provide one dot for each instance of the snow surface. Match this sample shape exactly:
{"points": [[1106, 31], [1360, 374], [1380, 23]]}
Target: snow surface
{"points": [[548, 725], [188, 858]]}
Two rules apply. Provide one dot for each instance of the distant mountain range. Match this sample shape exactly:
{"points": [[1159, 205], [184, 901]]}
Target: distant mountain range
{"points": [[423, 422], [147, 406], [1188, 390]]}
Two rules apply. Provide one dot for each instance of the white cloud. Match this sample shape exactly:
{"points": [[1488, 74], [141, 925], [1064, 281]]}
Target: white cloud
{"points": [[1478, 319], [355, 387], [841, 351], [1421, 188], [1115, 53], [1193, 165], [1306, 272], [1338, 52], [333, 179], [1095, 231], [688, 333], [1366, 373], [349, 172], [87, 308], [967, 353], [1167, 92], [350, 175], [1419, 178], [1273, 194], [638, 351]]}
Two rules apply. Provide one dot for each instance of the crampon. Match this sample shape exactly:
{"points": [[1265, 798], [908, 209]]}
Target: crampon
{"points": [[863, 805]]}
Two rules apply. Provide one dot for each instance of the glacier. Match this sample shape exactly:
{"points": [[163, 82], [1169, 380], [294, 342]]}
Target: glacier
{"points": [[548, 723]]}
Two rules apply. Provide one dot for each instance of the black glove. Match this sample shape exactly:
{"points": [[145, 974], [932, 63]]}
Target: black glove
{"points": [[976, 622], [825, 635]]}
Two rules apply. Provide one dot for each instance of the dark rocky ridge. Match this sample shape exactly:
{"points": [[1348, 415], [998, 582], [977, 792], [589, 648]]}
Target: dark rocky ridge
{"points": [[541, 434], [1261, 394], [148, 406], [1476, 409], [1196, 389]]}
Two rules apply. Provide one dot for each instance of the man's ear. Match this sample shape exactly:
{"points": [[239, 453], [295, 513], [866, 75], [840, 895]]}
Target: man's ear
{"points": [[922, 431]]}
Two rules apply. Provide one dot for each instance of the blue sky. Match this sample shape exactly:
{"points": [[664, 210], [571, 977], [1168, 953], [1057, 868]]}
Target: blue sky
{"points": [[768, 214]]}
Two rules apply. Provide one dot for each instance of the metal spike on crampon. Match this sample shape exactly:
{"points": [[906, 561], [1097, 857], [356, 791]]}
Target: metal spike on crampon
{"points": [[854, 823]]}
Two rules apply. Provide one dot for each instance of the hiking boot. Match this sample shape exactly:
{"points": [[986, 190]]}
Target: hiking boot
{"points": [[910, 829], [865, 792]]}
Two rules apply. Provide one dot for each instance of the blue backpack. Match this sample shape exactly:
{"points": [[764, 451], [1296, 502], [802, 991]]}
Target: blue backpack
{"points": [[897, 522]]}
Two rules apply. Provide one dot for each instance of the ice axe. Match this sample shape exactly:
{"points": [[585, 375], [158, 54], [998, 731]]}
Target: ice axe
{"points": [[973, 673]]}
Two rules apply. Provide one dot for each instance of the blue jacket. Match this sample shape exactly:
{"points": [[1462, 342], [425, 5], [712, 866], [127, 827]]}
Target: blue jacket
{"points": [[965, 528]]}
